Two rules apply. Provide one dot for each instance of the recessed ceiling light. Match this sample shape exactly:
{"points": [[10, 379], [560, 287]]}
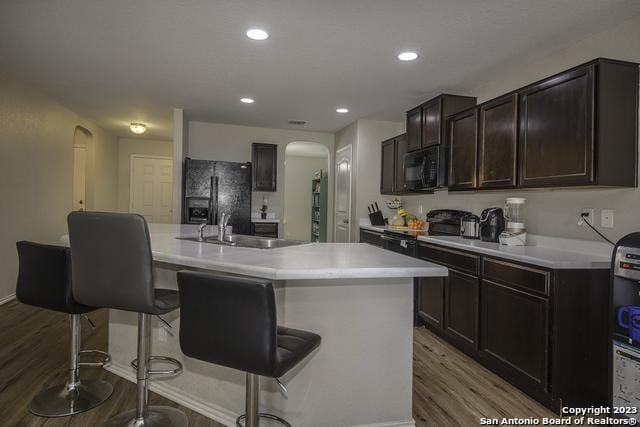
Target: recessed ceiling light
{"points": [[138, 128], [407, 56], [342, 110], [247, 100], [257, 34]]}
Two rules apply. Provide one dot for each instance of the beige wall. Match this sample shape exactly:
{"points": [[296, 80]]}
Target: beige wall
{"points": [[555, 212], [215, 141], [365, 137], [299, 172], [36, 164], [128, 147]]}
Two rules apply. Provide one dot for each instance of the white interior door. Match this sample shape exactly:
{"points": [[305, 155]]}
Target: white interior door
{"points": [[152, 188], [343, 195], [79, 177]]}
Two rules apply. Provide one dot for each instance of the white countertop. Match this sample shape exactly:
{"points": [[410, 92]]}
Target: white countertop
{"points": [[265, 221], [308, 261], [546, 252]]}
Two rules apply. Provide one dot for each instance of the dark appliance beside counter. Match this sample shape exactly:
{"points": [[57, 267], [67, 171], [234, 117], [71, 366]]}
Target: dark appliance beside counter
{"points": [[211, 188]]}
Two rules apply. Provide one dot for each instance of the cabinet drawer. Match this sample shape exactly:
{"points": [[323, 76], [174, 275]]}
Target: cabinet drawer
{"points": [[519, 276], [265, 229], [450, 257]]}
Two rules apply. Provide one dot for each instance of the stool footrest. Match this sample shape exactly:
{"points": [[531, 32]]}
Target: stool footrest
{"points": [[162, 359], [105, 361], [264, 415]]}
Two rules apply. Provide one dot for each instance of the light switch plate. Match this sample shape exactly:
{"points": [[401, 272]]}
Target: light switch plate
{"points": [[606, 218]]}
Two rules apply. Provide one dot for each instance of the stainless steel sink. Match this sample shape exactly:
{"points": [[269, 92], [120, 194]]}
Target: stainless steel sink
{"points": [[243, 241]]}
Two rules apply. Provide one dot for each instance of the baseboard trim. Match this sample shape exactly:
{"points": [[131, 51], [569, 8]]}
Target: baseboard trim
{"points": [[7, 299], [208, 409]]}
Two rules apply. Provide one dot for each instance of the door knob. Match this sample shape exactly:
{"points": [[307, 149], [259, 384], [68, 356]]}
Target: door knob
{"points": [[345, 221]]}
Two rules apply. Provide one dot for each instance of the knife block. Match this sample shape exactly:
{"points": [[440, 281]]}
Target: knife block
{"points": [[376, 218]]}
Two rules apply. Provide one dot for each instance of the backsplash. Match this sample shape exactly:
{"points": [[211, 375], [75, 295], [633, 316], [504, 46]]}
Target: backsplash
{"points": [[548, 212]]}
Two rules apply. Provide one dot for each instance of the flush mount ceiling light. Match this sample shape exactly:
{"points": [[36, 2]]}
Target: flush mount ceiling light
{"points": [[407, 56], [342, 110], [247, 100], [257, 34], [138, 128]]}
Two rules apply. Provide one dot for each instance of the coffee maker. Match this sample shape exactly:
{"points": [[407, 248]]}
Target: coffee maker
{"points": [[491, 224]]}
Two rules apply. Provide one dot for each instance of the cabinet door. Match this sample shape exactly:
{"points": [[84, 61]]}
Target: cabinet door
{"points": [[264, 158], [401, 150], [556, 130], [414, 129], [265, 229], [461, 307], [497, 139], [515, 339], [462, 138], [431, 130], [388, 172], [431, 300], [370, 237]]}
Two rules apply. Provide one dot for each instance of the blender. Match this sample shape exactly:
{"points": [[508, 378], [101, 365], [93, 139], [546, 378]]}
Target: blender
{"points": [[515, 233]]}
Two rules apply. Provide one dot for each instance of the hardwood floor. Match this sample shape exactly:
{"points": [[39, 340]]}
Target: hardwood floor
{"points": [[33, 356], [449, 388]]}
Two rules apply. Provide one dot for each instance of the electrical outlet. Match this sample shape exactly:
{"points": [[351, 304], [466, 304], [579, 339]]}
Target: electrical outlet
{"points": [[606, 218], [587, 215]]}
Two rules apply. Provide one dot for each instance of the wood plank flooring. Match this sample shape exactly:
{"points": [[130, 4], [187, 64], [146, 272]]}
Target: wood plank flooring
{"points": [[449, 388]]}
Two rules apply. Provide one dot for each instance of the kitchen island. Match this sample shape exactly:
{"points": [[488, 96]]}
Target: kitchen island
{"points": [[359, 298]]}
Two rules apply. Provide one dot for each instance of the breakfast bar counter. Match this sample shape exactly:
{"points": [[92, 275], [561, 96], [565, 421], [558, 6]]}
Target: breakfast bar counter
{"points": [[358, 297]]}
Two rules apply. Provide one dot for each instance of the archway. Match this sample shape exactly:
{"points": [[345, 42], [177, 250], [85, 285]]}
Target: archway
{"points": [[306, 192]]}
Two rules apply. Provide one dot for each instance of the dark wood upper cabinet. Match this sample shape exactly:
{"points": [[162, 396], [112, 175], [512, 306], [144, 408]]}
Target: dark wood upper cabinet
{"points": [[462, 138], [401, 150], [392, 165], [425, 124], [388, 164], [264, 158], [431, 118], [414, 129], [556, 130], [497, 142], [580, 127]]}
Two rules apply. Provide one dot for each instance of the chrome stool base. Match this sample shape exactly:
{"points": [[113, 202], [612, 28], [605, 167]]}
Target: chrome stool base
{"points": [[60, 401], [242, 418], [156, 416]]}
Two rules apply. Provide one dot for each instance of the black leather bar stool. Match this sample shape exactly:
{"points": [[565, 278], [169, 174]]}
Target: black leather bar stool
{"points": [[113, 268], [231, 321], [44, 280]]}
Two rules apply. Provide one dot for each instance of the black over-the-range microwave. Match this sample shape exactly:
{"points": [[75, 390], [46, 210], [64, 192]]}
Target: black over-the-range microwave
{"points": [[425, 170]]}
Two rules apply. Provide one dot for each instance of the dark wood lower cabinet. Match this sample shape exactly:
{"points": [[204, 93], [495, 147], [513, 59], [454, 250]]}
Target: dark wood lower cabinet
{"points": [[265, 229], [461, 308], [370, 237], [515, 335], [543, 330], [431, 300]]}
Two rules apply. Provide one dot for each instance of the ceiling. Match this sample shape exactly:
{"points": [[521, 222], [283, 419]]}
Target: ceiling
{"points": [[119, 61]]}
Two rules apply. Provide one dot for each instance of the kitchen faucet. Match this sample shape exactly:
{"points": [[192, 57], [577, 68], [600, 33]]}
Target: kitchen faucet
{"points": [[201, 228], [222, 226]]}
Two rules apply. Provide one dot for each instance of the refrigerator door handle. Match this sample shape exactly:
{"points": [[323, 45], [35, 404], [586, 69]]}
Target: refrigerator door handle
{"points": [[214, 200]]}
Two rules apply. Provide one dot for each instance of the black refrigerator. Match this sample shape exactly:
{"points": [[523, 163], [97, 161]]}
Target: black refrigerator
{"points": [[211, 188]]}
